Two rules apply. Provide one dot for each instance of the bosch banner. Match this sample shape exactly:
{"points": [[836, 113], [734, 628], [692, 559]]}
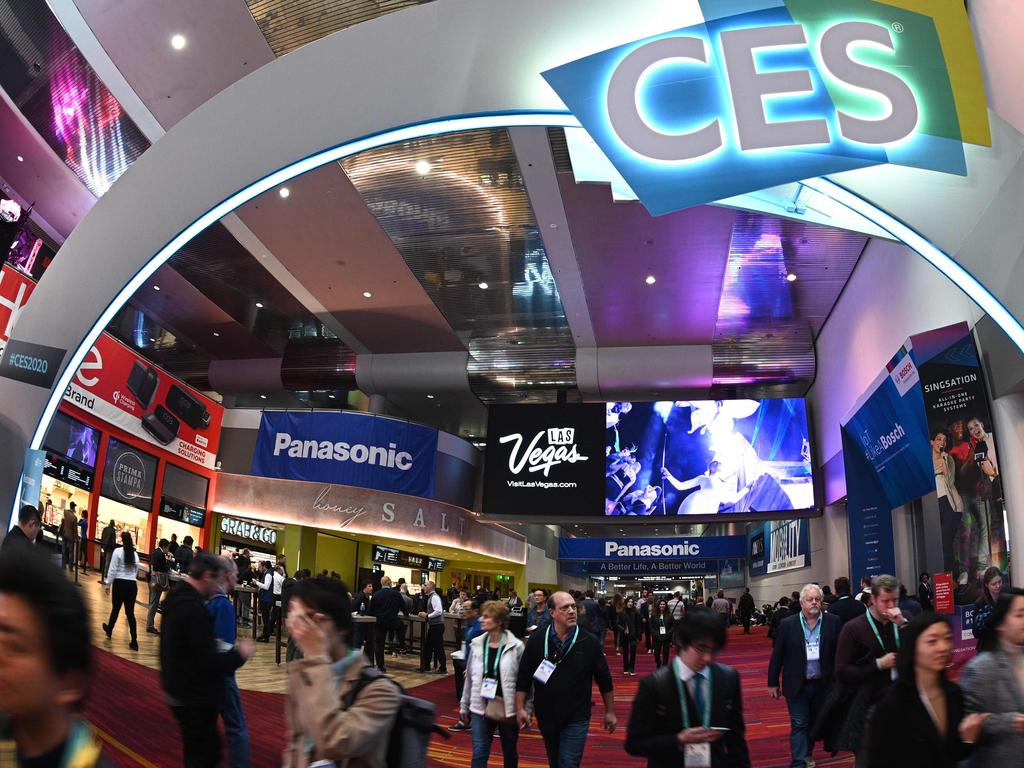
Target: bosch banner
{"points": [[347, 449], [127, 391], [779, 546]]}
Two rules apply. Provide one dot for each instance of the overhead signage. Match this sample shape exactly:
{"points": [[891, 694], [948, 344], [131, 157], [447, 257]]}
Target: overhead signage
{"points": [[347, 449], [767, 92], [778, 546], [32, 364], [246, 529], [392, 556], [647, 568], [674, 549], [124, 389], [15, 288], [70, 472], [544, 460], [183, 513]]}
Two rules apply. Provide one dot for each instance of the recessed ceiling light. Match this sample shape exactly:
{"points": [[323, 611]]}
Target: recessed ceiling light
{"points": [[430, 397], [259, 305], [178, 42], [21, 159], [263, 397], [283, 192], [791, 277], [367, 295], [152, 340], [422, 167], [216, 333], [650, 280], [484, 286], [331, 396], [156, 287]]}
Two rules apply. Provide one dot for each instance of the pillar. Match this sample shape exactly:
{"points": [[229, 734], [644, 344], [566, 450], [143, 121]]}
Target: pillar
{"points": [[1008, 427]]}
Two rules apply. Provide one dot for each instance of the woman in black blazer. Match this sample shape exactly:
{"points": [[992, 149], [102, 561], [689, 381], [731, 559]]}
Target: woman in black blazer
{"points": [[630, 627], [922, 721], [661, 631]]}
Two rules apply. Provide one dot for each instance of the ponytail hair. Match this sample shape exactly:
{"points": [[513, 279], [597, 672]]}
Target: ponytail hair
{"points": [[129, 549]]}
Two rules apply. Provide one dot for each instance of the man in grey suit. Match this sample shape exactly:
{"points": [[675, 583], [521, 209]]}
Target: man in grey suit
{"points": [[993, 681]]}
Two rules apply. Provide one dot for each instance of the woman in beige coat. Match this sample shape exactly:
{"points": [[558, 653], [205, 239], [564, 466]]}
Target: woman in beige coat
{"points": [[320, 727]]}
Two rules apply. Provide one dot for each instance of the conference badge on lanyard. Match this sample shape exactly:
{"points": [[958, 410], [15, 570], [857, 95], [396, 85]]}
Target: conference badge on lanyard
{"points": [[696, 755], [489, 686], [812, 639], [547, 667], [893, 674]]}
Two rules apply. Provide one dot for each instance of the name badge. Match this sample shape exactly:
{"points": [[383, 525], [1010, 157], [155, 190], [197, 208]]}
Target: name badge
{"points": [[544, 671], [697, 756], [661, 630], [813, 652], [893, 674], [489, 688]]}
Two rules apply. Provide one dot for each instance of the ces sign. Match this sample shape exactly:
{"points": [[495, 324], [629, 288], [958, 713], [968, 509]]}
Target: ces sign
{"points": [[784, 90]]}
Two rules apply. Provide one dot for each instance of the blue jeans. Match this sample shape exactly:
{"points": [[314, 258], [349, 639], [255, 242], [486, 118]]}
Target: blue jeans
{"points": [[234, 724], [801, 709], [565, 746], [483, 735]]}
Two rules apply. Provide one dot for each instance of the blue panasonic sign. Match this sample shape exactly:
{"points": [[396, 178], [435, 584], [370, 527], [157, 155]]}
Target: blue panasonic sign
{"points": [[676, 549]]}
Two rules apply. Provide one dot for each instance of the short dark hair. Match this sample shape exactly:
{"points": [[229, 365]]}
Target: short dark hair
{"points": [[842, 585], [55, 601], [328, 596], [27, 514], [865, 580], [988, 637], [206, 562], [188, 541], [590, 594], [923, 575], [699, 624], [795, 596], [163, 543], [908, 642]]}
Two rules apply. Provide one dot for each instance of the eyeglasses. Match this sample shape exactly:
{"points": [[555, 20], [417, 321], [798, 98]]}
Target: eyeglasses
{"points": [[705, 650]]}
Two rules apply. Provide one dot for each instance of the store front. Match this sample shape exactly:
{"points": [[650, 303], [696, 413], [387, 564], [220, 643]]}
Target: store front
{"points": [[263, 541]]}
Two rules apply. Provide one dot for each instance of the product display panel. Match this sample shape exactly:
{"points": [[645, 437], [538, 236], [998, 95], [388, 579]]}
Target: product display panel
{"points": [[707, 457]]}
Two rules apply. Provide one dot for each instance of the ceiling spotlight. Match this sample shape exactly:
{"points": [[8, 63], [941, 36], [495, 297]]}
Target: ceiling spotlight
{"points": [[21, 159], [217, 334], [152, 340], [259, 305], [156, 287], [331, 396], [422, 167], [263, 397], [367, 295], [484, 286], [178, 42], [430, 397], [650, 280], [791, 277], [283, 192]]}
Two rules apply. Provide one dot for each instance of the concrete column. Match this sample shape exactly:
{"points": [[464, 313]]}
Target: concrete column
{"points": [[1008, 415], [378, 404]]}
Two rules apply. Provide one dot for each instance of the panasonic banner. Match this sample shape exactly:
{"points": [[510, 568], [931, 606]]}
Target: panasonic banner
{"points": [[347, 449]]}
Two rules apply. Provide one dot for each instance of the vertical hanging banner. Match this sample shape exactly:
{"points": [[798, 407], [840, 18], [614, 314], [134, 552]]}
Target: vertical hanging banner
{"points": [[943, 590], [967, 470], [32, 476]]}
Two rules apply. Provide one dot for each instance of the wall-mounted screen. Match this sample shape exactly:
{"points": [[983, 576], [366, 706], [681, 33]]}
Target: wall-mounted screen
{"points": [[129, 475], [73, 440], [707, 457]]}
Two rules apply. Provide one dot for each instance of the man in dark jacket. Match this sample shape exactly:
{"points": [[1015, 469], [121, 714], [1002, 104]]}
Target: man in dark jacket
{"points": [[925, 593], [745, 609], [26, 530], [691, 711], [108, 543], [385, 605], [191, 669], [183, 555], [804, 652], [846, 607]]}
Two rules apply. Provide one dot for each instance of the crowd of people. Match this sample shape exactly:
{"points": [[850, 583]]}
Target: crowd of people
{"points": [[865, 673]]}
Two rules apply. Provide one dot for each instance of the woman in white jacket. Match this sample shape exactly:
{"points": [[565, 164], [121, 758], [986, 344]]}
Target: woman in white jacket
{"points": [[490, 689]]}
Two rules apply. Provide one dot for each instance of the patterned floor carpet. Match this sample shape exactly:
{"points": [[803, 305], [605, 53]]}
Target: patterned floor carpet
{"points": [[128, 709]]}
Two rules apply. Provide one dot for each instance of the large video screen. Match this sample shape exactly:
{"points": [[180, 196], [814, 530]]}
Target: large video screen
{"points": [[707, 457], [72, 439]]}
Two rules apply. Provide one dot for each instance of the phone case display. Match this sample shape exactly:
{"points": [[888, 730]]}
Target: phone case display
{"points": [[142, 383], [161, 424], [187, 408]]}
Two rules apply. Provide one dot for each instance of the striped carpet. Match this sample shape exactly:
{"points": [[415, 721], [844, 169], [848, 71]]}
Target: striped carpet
{"points": [[127, 707]]}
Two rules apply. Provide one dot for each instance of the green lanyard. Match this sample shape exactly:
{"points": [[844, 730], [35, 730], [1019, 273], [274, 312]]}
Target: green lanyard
{"points": [[497, 660], [895, 629], [682, 695], [547, 636], [809, 633]]}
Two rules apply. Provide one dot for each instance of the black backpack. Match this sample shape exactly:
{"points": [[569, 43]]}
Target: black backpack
{"points": [[412, 727]]}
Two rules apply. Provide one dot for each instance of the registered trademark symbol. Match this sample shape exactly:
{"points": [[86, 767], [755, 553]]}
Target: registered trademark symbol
{"points": [[897, 27]]}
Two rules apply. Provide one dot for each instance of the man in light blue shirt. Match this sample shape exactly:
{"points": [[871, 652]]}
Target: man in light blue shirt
{"points": [[225, 632]]}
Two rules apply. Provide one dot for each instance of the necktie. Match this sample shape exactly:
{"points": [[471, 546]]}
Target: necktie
{"points": [[698, 696]]}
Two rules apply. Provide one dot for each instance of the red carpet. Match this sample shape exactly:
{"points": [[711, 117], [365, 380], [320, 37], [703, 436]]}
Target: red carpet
{"points": [[127, 705]]}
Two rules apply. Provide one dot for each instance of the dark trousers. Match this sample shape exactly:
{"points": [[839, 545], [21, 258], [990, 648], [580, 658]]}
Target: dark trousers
{"points": [[269, 619], [803, 709], [123, 593], [67, 553], [104, 559], [565, 745], [661, 647], [949, 519], [629, 643], [745, 619], [460, 677], [380, 636], [483, 738], [433, 648], [648, 638], [83, 556], [200, 741]]}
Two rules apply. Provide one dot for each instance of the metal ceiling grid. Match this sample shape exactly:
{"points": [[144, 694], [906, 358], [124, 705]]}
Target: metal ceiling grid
{"points": [[290, 24], [456, 209], [781, 282]]}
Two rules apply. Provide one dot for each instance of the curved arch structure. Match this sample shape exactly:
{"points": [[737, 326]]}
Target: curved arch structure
{"points": [[276, 123]]}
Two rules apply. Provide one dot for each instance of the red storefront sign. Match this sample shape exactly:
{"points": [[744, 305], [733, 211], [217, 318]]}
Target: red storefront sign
{"points": [[126, 390], [943, 588], [15, 288]]}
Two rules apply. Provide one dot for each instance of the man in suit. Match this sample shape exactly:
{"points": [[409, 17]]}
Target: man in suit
{"points": [[691, 711], [846, 607], [925, 594], [386, 604], [804, 652]]}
